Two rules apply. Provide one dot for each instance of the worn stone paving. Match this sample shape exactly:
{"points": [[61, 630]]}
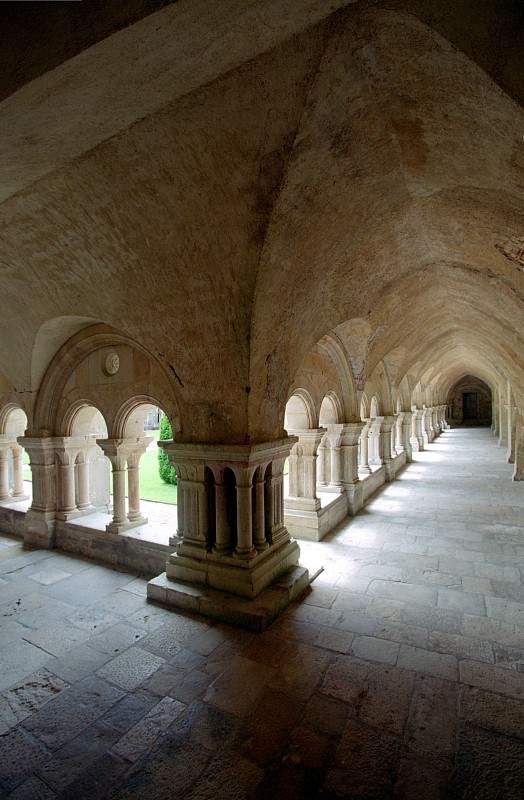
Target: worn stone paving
{"points": [[401, 675]]}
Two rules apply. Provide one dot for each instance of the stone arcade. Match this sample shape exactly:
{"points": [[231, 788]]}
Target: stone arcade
{"points": [[296, 227]]}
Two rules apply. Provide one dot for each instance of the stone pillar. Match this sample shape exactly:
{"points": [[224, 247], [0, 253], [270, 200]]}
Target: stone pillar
{"points": [[435, 422], [322, 472], [375, 456], [417, 434], [428, 423], [387, 456], [136, 452], [117, 454], [303, 470], [244, 490], [4, 473], [40, 518], [518, 470], [206, 552], [364, 448], [259, 533], [349, 438], [82, 472], [222, 528], [404, 428], [18, 474], [510, 416]]}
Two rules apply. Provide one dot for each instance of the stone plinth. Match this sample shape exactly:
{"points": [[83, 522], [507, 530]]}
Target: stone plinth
{"points": [[231, 535]]}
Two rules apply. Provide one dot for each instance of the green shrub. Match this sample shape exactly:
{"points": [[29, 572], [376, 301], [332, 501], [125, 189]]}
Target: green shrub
{"points": [[165, 470]]}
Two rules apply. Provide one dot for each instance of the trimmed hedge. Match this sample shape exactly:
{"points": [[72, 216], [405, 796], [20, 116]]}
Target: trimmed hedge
{"points": [[165, 470]]}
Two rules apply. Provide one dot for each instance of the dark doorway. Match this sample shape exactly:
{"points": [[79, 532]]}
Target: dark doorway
{"points": [[470, 405]]}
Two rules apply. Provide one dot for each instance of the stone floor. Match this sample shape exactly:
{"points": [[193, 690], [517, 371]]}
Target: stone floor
{"points": [[400, 675]]}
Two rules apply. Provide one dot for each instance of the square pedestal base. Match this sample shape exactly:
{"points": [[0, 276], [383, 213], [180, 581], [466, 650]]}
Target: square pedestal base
{"points": [[121, 527], [244, 577], [314, 525], [254, 615]]}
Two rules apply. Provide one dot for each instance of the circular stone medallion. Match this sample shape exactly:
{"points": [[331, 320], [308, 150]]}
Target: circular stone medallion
{"points": [[111, 364]]}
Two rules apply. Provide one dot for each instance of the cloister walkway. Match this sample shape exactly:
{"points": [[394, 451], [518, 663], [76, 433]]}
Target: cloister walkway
{"points": [[401, 674]]}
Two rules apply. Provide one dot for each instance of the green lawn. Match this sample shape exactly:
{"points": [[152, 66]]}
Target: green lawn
{"points": [[151, 487]]}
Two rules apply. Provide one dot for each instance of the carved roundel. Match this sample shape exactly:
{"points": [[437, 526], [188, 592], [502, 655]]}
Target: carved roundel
{"points": [[111, 363]]}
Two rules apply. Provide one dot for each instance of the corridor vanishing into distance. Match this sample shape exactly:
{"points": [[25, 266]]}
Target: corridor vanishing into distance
{"points": [[399, 674]]}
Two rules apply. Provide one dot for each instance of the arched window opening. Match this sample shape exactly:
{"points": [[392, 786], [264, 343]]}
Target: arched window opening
{"points": [[151, 488], [15, 471], [91, 469]]}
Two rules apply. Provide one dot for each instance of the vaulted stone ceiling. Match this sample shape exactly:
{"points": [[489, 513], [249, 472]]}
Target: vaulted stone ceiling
{"points": [[227, 183]]}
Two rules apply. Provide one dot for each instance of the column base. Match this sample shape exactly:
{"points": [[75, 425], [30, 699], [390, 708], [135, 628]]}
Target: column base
{"points": [[66, 516], [253, 614], [302, 504], [17, 498], [246, 577], [355, 497], [315, 525], [121, 527], [417, 444], [40, 529], [389, 468]]}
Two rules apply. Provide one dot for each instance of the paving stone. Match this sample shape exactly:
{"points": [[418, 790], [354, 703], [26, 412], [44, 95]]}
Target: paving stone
{"points": [[378, 695], [488, 766], [509, 590], [333, 639], [503, 573], [27, 696], [10, 631], [298, 668], [492, 711], [77, 663], [262, 736], [366, 763], [75, 708], [492, 629], [129, 710], [403, 634], [433, 720], [461, 646], [94, 619], [57, 639], [461, 601], [20, 659], [98, 779], [116, 639], [77, 755], [422, 778], [191, 685], [129, 669], [79, 590], [325, 715], [321, 597], [141, 737], [32, 789], [492, 679], [437, 664], [510, 657], [405, 592], [20, 755], [238, 688], [182, 632], [477, 585], [36, 610], [434, 619], [505, 610], [372, 649]]}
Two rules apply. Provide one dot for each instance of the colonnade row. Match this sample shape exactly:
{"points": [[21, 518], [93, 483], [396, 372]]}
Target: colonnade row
{"points": [[508, 426], [338, 458], [11, 470], [63, 478]]}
